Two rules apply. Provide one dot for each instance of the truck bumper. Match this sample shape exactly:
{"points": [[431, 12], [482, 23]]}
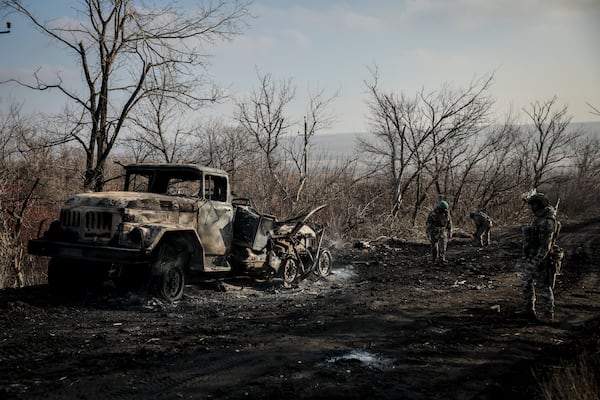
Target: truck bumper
{"points": [[106, 254]]}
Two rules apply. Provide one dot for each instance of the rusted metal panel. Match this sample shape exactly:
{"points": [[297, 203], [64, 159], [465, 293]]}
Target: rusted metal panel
{"points": [[251, 229]]}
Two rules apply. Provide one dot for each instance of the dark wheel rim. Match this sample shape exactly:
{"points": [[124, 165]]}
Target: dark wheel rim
{"points": [[169, 271], [290, 271], [324, 267], [173, 283]]}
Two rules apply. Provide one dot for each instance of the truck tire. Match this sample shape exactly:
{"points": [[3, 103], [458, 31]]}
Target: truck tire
{"points": [[169, 270]]}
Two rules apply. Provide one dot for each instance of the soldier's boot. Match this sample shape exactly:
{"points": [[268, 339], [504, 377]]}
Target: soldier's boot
{"points": [[443, 256], [434, 255], [549, 317], [528, 313]]}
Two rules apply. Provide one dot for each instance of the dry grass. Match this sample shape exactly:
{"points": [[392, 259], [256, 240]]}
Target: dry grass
{"points": [[17, 269], [575, 380]]}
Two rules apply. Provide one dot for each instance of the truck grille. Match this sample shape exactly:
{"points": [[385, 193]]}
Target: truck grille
{"points": [[70, 218], [88, 223], [98, 221]]}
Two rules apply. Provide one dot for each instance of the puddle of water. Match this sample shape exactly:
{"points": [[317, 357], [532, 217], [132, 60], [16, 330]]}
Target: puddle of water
{"points": [[366, 358]]}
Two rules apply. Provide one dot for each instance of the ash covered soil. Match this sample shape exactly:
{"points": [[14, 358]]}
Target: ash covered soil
{"points": [[386, 324]]}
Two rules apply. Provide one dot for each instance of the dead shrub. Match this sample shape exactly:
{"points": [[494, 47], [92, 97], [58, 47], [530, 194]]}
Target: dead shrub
{"points": [[573, 380]]}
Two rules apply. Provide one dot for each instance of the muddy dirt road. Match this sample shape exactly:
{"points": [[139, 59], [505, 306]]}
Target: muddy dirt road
{"points": [[387, 324]]}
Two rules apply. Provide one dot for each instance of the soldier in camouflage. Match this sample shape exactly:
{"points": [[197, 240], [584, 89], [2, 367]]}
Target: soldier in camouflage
{"points": [[483, 225], [439, 229], [542, 258]]}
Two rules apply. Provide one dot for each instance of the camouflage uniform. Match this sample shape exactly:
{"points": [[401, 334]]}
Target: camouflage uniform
{"points": [[542, 257], [439, 228], [483, 225]]}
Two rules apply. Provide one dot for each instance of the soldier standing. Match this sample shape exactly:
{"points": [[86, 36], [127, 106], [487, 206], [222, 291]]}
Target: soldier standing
{"points": [[483, 225], [439, 229], [542, 258]]}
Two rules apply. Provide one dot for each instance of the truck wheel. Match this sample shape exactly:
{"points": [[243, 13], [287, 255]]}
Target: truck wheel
{"points": [[290, 271], [324, 264], [168, 270]]}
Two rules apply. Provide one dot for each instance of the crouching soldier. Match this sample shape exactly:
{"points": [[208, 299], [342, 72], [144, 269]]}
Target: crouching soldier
{"points": [[439, 229], [483, 225], [542, 258]]}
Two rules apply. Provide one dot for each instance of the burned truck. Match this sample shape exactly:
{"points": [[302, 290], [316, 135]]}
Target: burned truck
{"points": [[169, 221]]}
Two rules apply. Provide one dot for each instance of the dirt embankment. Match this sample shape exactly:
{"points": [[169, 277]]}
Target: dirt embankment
{"points": [[386, 324]]}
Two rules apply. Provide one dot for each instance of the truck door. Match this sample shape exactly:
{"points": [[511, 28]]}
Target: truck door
{"points": [[215, 215]]}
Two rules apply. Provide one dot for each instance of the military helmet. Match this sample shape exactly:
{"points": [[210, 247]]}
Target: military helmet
{"points": [[538, 198], [443, 205]]}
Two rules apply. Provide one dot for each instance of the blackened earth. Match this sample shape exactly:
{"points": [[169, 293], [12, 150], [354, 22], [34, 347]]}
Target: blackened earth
{"points": [[387, 324]]}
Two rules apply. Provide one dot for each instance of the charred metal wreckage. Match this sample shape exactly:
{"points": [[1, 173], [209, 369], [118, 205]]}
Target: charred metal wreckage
{"points": [[169, 221]]}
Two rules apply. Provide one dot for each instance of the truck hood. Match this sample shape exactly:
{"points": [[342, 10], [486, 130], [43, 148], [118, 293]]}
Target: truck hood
{"points": [[146, 201]]}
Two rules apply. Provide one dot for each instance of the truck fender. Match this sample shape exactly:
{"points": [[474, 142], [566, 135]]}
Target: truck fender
{"points": [[192, 240]]}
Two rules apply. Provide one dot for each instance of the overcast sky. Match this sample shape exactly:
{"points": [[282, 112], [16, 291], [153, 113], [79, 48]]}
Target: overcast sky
{"points": [[536, 49]]}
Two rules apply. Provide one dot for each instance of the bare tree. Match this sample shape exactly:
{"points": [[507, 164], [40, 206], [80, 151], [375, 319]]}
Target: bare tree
{"points": [[23, 157], [222, 146], [411, 134], [587, 157], [500, 172], [318, 116], [263, 117], [580, 188], [118, 45], [548, 139], [158, 126], [486, 171], [289, 163], [595, 111]]}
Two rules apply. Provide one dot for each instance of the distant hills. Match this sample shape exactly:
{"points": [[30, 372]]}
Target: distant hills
{"points": [[341, 145]]}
